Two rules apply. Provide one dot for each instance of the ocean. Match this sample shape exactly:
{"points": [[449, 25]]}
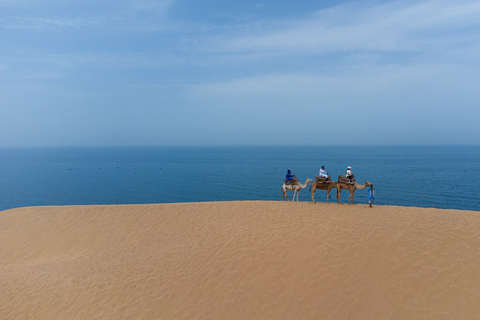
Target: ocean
{"points": [[441, 177]]}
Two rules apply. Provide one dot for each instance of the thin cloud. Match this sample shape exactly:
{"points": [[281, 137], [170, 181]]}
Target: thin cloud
{"points": [[388, 27], [48, 23], [265, 85], [69, 14]]}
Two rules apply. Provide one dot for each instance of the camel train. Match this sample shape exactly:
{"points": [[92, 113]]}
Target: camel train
{"points": [[343, 183]]}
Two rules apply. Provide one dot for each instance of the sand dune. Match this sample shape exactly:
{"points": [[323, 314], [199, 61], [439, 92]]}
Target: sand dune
{"points": [[239, 260]]}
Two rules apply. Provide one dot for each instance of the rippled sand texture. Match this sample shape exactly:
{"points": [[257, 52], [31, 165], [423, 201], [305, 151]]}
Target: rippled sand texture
{"points": [[239, 260]]}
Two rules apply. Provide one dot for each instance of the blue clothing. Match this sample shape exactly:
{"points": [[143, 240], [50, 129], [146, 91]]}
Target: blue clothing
{"points": [[371, 195], [289, 176]]}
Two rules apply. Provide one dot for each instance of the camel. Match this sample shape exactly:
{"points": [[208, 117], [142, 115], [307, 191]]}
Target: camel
{"points": [[322, 186], [351, 187], [295, 188]]}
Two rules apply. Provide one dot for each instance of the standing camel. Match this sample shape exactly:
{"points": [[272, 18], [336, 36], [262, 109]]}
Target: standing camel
{"points": [[351, 187], [322, 186], [295, 188]]}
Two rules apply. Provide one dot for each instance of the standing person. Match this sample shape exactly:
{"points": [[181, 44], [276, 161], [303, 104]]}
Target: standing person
{"points": [[349, 174], [323, 173], [371, 196]]}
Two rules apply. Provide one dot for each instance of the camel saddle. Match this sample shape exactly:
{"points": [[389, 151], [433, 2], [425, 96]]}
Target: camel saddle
{"points": [[320, 179], [343, 179], [293, 182]]}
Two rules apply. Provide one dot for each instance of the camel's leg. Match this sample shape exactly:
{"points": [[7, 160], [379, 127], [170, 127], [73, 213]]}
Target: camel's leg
{"points": [[339, 192], [350, 197], [328, 194], [353, 196], [313, 194], [298, 192], [286, 193]]}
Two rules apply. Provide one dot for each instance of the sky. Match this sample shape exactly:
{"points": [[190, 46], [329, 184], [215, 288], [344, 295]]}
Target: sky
{"points": [[235, 73]]}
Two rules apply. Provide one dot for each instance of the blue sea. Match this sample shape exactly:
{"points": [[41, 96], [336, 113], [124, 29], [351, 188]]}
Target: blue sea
{"points": [[440, 177]]}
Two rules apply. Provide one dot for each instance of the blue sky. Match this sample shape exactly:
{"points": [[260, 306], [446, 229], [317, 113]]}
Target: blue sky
{"points": [[176, 72]]}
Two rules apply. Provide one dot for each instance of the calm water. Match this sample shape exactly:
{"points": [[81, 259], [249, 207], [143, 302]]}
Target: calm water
{"points": [[440, 177]]}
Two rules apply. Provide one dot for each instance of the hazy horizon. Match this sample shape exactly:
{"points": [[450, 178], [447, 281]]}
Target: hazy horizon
{"points": [[182, 73], [300, 146]]}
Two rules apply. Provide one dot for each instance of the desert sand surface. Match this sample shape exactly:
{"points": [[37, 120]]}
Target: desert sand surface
{"points": [[239, 260]]}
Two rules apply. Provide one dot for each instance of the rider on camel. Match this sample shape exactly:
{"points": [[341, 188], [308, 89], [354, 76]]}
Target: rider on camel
{"points": [[350, 175], [290, 178], [324, 174]]}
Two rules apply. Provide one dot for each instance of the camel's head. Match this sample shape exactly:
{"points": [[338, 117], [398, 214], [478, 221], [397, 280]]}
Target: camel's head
{"points": [[369, 184], [309, 180]]}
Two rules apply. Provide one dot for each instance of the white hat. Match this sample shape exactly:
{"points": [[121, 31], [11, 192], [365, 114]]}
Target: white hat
{"points": [[349, 167]]}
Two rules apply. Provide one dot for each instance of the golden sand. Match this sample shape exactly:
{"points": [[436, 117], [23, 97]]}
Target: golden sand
{"points": [[239, 260]]}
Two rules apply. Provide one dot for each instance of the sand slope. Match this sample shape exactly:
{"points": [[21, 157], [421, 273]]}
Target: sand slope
{"points": [[239, 260]]}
